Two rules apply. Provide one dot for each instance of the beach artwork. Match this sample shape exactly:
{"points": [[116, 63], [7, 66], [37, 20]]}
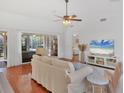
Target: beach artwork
{"points": [[102, 47]]}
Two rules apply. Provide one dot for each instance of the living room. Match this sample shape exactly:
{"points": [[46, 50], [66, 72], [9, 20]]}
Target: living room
{"points": [[100, 20]]}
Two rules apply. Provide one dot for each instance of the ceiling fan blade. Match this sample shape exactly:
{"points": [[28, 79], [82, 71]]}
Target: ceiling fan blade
{"points": [[66, 17], [57, 20], [72, 16], [76, 19], [59, 16]]}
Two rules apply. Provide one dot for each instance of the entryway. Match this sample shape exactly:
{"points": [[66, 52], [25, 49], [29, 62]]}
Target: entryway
{"points": [[3, 49]]}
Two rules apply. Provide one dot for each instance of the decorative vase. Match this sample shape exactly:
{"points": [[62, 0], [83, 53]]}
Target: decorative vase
{"points": [[82, 48], [82, 57]]}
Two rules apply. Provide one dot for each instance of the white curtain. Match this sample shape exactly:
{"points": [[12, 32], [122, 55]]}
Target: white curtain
{"points": [[14, 48]]}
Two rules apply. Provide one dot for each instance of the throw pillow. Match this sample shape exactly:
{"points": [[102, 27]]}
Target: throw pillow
{"points": [[77, 66]]}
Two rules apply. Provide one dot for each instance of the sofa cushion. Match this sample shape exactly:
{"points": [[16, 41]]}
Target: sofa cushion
{"points": [[36, 57], [41, 52], [46, 59], [63, 64]]}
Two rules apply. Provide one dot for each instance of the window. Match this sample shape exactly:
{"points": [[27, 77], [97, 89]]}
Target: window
{"points": [[32, 41]]}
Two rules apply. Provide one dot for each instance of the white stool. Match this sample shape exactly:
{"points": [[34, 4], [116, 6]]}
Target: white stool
{"points": [[97, 80]]}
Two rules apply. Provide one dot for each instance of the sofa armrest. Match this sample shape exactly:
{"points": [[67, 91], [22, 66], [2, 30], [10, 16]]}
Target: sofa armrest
{"points": [[79, 75]]}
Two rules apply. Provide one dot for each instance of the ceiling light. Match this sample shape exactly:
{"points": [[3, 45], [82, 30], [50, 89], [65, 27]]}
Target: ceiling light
{"points": [[34, 35], [66, 22], [3, 34], [67, 18]]}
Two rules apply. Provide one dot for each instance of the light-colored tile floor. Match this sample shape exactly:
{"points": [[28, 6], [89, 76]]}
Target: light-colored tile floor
{"points": [[5, 87]]}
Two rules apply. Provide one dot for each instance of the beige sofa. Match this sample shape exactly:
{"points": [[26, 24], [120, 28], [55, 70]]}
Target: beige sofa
{"points": [[59, 76]]}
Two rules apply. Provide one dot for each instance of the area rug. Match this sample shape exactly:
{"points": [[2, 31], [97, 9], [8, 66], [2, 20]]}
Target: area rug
{"points": [[5, 87]]}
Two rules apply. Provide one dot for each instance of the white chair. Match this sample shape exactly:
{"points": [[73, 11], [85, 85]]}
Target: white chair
{"points": [[41, 52]]}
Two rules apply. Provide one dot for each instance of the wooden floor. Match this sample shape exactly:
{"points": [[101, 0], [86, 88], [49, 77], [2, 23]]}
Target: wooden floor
{"points": [[20, 80]]}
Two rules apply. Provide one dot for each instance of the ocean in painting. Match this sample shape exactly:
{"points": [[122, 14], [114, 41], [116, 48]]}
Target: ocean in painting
{"points": [[102, 47]]}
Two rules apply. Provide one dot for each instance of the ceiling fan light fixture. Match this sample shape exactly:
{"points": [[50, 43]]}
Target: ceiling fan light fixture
{"points": [[66, 22], [67, 19]]}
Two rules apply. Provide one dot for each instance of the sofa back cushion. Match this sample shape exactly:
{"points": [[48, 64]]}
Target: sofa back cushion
{"points": [[36, 57], [46, 59], [55, 62], [63, 65]]}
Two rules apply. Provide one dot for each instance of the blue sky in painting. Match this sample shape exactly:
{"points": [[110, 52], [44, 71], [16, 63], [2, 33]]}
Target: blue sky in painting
{"points": [[102, 44]]}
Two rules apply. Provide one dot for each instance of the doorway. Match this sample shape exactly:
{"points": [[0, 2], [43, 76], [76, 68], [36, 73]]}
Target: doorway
{"points": [[3, 49]]}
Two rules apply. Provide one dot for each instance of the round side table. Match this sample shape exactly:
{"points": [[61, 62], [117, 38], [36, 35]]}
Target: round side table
{"points": [[97, 79]]}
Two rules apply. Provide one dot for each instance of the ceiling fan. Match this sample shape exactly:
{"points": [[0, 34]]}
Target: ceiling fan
{"points": [[68, 18]]}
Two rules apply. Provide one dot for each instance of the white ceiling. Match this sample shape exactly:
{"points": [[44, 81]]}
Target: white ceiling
{"points": [[39, 8], [42, 12], [32, 8]]}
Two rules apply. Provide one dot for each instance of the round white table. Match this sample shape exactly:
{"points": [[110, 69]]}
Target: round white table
{"points": [[97, 79]]}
